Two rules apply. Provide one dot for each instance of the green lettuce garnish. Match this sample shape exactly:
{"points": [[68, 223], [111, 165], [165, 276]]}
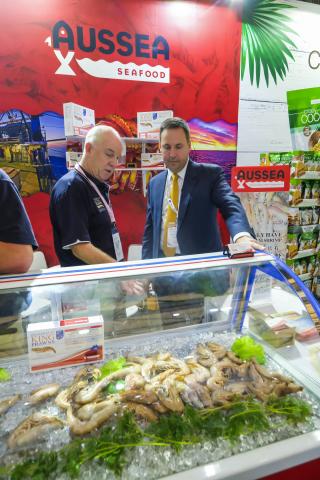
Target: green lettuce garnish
{"points": [[246, 349], [115, 387], [112, 366], [4, 375]]}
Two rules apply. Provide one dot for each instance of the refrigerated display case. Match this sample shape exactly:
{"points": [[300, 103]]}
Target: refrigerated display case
{"points": [[169, 328]]}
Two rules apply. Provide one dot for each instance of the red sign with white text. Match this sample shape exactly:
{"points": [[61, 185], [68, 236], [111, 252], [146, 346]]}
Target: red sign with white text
{"points": [[121, 57], [261, 179]]}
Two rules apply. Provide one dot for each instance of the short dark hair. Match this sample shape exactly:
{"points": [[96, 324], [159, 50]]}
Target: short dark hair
{"points": [[175, 122]]}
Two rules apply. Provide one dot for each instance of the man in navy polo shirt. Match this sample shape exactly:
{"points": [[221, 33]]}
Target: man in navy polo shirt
{"points": [[81, 214], [80, 209], [17, 239]]}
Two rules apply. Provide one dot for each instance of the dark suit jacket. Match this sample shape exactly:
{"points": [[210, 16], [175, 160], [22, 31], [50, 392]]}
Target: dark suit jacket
{"points": [[204, 192]]}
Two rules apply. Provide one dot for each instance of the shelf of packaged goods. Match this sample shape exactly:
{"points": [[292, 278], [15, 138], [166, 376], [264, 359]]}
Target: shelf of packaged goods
{"points": [[304, 253], [75, 138], [140, 140], [78, 138], [308, 202], [305, 276], [309, 176], [144, 169]]}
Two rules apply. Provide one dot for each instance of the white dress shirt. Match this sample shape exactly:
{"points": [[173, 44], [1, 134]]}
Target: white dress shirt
{"points": [[166, 197]]}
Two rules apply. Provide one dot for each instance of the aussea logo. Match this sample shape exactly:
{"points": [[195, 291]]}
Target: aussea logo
{"points": [[260, 179], [65, 41]]}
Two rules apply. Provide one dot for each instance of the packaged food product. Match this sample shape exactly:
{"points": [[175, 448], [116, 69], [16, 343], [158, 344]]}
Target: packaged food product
{"points": [[316, 190], [308, 283], [316, 160], [308, 161], [264, 159], [317, 265], [307, 190], [299, 167], [294, 265], [303, 266], [306, 216], [312, 264], [275, 158], [293, 244], [315, 215], [316, 286], [295, 196], [294, 216], [304, 115], [308, 240]]}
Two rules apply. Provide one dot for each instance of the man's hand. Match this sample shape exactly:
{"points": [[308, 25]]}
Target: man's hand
{"points": [[133, 287], [250, 241]]}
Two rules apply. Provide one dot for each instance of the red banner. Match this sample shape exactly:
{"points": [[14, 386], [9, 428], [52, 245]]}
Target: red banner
{"points": [[261, 179], [120, 57]]}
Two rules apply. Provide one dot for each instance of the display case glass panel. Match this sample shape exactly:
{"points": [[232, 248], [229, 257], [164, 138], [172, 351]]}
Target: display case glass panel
{"points": [[173, 324]]}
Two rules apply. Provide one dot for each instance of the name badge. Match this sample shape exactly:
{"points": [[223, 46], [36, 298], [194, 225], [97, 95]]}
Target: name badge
{"points": [[117, 244], [99, 204], [172, 235]]}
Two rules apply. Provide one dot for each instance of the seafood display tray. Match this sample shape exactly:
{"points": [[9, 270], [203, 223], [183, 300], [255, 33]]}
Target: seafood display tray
{"points": [[252, 456]]}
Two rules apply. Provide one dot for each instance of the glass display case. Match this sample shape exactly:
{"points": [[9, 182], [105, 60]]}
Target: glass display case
{"points": [[198, 405]]}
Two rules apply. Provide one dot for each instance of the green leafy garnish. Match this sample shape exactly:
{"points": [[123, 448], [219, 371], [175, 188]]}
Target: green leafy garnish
{"points": [[4, 375], [112, 366], [110, 447], [115, 387], [246, 349]]}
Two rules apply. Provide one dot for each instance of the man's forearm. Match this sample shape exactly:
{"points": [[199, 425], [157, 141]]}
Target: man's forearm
{"points": [[15, 258], [90, 254]]}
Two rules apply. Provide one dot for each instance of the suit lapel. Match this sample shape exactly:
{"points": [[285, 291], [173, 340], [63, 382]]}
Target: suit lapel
{"points": [[190, 180]]}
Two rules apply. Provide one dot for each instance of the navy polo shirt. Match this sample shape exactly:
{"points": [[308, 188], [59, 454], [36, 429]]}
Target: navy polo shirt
{"points": [[15, 226], [78, 215]]}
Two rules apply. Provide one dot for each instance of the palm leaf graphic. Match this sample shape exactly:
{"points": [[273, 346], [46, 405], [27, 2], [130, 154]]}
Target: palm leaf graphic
{"points": [[265, 41]]}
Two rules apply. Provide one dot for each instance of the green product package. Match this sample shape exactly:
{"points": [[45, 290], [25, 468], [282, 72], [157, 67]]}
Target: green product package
{"points": [[304, 118], [275, 158], [286, 158]]}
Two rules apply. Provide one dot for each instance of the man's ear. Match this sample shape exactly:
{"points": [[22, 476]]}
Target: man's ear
{"points": [[88, 147]]}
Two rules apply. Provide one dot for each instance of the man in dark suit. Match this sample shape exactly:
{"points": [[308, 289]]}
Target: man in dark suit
{"points": [[201, 190], [182, 220]]}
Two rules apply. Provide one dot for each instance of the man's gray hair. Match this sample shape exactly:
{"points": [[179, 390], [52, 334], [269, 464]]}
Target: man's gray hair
{"points": [[95, 132]]}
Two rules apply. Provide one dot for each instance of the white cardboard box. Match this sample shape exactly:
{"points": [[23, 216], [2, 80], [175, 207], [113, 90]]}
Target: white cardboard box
{"points": [[65, 343], [77, 119], [149, 160], [148, 123], [72, 159]]}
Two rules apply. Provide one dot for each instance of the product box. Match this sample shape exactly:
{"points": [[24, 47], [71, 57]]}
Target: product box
{"points": [[72, 159], [77, 119], [151, 160], [65, 343], [148, 123]]}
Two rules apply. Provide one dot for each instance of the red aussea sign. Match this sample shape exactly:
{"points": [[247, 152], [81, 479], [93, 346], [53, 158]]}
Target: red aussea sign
{"points": [[261, 179]]}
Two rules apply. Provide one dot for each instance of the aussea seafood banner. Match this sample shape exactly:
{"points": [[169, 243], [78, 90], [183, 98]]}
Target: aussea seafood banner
{"points": [[120, 57], [116, 59]]}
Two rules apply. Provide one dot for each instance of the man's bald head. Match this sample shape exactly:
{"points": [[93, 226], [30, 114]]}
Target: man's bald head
{"points": [[99, 132], [102, 149]]}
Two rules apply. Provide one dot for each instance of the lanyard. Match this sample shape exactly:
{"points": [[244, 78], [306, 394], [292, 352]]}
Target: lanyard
{"points": [[94, 186]]}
